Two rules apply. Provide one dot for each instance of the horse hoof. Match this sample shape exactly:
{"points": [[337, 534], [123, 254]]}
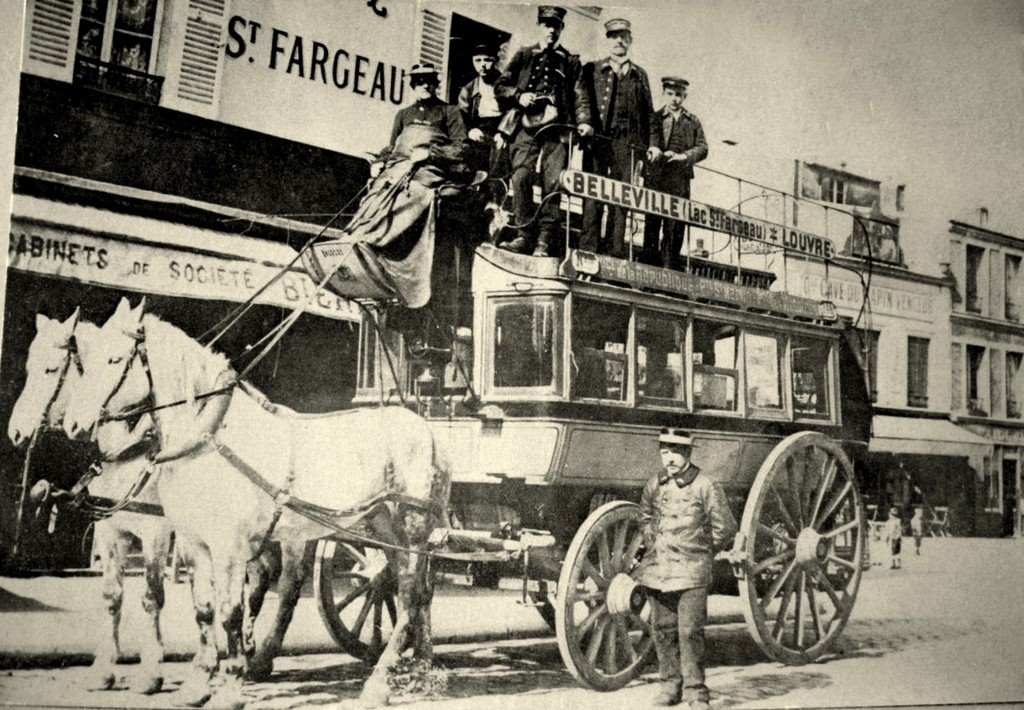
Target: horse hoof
{"points": [[194, 693], [374, 695], [227, 699], [259, 669], [148, 685]]}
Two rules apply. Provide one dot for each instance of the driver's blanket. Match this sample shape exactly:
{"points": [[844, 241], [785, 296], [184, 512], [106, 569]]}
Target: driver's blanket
{"points": [[388, 248]]}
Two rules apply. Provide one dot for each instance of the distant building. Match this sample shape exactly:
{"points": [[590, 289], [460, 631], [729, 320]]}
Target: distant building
{"points": [[986, 357]]}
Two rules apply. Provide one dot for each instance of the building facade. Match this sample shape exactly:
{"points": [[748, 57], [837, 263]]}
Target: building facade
{"points": [[986, 355]]}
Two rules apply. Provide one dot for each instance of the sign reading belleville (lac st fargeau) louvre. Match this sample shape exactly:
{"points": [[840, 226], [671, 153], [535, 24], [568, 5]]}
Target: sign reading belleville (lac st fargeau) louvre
{"points": [[642, 199]]}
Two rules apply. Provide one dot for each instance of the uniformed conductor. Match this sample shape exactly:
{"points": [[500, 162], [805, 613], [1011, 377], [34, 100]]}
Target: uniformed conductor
{"points": [[625, 132], [685, 520], [546, 82], [683, 145]]}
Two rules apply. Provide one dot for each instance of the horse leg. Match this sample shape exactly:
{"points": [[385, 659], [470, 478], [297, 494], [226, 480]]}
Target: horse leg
{"points": [[196, 689], [111, 544], [229, 584], [155, 545], [417, 525], [376, 691], [289, 587], [258, 576]]}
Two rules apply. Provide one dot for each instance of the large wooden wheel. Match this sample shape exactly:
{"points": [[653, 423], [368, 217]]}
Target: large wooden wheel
{"points": [[602, 650], [805, 538], [355, 594]]}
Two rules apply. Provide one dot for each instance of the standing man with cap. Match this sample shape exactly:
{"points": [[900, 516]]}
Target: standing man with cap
{"points": [[546, 83], [685, 519], [482, 111], [626, 131], [683, 145], [432, 113]]}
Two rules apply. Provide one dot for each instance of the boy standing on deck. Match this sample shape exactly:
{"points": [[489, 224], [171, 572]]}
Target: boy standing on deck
{"points": [[685, 519]]}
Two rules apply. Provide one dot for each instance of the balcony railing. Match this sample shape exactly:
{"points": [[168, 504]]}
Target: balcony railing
{"points": [[976, 407], [115, 79], [917, 400], [1012, 312], [1013, 409]]}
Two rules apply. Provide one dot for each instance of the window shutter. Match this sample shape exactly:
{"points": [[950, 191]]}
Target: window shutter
{"points": [[51, 29], [997, 385], [956, 358], [434, 31], [195, 77]]}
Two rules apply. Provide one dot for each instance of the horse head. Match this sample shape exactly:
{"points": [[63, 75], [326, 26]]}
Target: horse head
{"points": [[51, 369], [115, 373]]}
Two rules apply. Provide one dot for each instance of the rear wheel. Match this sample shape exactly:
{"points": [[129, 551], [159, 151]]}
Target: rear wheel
{"points": [[804, 534], [355, 594], [602, 650]]}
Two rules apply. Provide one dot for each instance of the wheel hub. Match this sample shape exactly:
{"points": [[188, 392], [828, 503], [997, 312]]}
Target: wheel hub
{"points": [[810, 546]]}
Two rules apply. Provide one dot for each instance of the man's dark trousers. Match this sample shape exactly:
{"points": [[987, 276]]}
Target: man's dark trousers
{"points": [[615, 159], [525, 149], [672, 239], [678, 619]]}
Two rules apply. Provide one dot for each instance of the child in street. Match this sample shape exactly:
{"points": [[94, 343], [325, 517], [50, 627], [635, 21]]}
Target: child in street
{"points": [[685, 520], [894, 534], [917, 528]]}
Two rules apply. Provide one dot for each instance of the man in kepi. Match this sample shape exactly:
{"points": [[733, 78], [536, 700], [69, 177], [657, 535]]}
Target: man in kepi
{"points": [[626, 132], [482, 111], [546, 83], [683, 145], [437, 134], [685, 520]]}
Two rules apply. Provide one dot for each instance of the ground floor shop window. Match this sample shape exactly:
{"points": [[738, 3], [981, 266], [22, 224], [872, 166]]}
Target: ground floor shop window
{"points": [[991, 486]]}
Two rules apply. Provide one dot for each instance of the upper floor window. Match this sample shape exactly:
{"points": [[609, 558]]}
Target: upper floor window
{"points": [[660, 354], [976, 381], [976, 279], [600, 365], [810, 358], [1013, 288], [715, 349], [1013, 384], [116, 49], [917, 372]]}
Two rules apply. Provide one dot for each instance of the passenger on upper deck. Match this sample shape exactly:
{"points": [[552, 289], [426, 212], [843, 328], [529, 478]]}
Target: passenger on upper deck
{"points": [[437, 135], [683, 145], [482, 111], [546, 82], [626, 131]]}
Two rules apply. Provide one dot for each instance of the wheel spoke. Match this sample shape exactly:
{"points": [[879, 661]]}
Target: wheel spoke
{"points": [[777, 535], [352, 596], [840, 561], [780, 618], [588, 597], [812, 602], [611, 643], [841, 529], [619, 547], [355, 554], [378, 631], [595, 640], [357, 625], [833, 504], [777, 584], [590, 571], [827, 477], [823, 580], [630, 554], [604, 555], [625, 640], [595, 614], [787, 519], [774, 559], [792, 488], [798, 631]]}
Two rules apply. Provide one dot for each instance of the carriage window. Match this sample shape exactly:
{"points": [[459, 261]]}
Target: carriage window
{"points": [[600, 365], [527, 343], [810, 376], [714, 365], [763, 360], [660, 349]]}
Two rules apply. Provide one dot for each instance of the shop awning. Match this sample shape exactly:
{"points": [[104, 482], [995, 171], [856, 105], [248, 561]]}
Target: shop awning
{"points": [[147, 255], [939, 437]]}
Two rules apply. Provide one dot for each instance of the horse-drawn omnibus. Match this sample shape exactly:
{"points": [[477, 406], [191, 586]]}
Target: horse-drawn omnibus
{"points": [[550, 378]]}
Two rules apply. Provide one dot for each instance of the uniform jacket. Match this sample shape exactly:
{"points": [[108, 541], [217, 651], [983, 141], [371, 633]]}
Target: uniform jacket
{"points": [[686, 137], [434, 113], [469, 103], [685, 521], [536, 69], [641, 128]]}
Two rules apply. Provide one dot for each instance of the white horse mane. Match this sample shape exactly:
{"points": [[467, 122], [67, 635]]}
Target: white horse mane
{"points": [[181, 369]]}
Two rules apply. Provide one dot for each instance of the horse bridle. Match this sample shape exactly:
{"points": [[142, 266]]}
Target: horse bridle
{"points": [[138, 352], [70, 346]]}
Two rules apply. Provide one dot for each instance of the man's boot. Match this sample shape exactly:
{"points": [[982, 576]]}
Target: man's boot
{"points": [[670, 695], [542, 246], [519, 245]]}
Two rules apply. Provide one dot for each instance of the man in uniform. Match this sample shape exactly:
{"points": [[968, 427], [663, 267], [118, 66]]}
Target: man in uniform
{"points": [[625, 129], [448, 149], [482, 111], [683, 145], [546, 83]]}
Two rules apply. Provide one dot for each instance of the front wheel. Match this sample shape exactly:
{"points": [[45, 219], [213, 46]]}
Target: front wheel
{"points": [[602, 650]]}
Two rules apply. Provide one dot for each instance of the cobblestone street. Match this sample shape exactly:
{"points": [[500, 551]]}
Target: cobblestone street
{"points": [[944, 629]]}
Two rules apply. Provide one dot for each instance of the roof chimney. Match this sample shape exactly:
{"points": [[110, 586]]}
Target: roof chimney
{"points": [[982, 216]]}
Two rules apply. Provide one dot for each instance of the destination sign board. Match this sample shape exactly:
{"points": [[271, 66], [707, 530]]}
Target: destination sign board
{"points": [[662, 204]]}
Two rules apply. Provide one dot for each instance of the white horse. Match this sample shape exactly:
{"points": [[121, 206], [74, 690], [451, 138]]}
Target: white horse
{"points": [[52, 369], [235, 468]]}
